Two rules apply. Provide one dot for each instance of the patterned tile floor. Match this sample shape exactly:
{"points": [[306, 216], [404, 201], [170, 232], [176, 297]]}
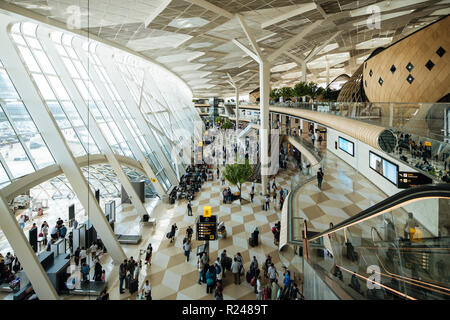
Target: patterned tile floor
{"points": [[344, 193]]}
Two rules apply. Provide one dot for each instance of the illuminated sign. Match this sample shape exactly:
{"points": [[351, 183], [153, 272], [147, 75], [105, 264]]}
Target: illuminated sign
{"points": [[206, 228], [412, 179]]}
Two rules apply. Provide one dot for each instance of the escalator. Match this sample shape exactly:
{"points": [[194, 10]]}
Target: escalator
{"points": [[397, 249]]}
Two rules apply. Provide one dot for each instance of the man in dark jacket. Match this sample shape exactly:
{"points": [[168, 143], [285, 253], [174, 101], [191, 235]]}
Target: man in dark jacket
{"points": [[122, 274]]}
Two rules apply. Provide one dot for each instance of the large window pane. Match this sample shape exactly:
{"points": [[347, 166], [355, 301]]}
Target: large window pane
{"points": [[58, 114], [16, 158], [39, 151], [7, 90], [3, 176], [72, 113], [73, 142], [29, 59], [43, 86], [87, 140], [20, 117], [58, 88]]}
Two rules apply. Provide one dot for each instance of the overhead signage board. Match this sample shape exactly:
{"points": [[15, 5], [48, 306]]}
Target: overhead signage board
{"points": [[206, 228], [412, 179]]}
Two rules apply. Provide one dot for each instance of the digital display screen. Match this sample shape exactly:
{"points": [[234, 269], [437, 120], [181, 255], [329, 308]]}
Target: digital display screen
{"points": [[346, 146], [384, 167]]}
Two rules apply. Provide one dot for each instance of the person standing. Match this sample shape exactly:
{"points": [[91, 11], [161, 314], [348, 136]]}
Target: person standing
{"points": [[272, 273], [223, 259], [172, 232], [275, 289], [254, 265], [122, 275], [148, 254], [281, 202], [187, 249], [235, 271], [189, 207], [218, 271], [22, 221], [44, 231], [252, 195], [200, 267], [219, 292], [320, 140], [319, 178], [240, 260], [267, 199], [147, 290], [76, 256], [258, 288], [313, 138], [218, 173], [287, 282], [210, 279]]}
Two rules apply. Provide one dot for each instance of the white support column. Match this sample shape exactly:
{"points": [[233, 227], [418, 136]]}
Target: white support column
{"points": [[139, 118], [304, 71], [237, 107], [56, 142], [328, 74], [27, 257], [264, 85], [87, 117]]}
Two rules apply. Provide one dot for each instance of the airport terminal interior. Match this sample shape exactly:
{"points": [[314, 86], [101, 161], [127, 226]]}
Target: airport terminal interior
{"points": [[224, 150]]}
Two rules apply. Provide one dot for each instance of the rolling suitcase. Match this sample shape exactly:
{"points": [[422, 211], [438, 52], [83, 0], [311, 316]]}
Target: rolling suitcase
{"points": [[248, 276], [133, 286]]}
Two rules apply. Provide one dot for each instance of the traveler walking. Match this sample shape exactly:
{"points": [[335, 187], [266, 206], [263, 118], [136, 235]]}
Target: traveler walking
{"points": [[187, 249], [252, 195], [189, 207], [235, 271], [148, 254], [319, 178]]}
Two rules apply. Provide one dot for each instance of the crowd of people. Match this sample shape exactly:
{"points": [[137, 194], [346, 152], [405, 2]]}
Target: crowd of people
{"points": [[191, 182], [422, 157]]}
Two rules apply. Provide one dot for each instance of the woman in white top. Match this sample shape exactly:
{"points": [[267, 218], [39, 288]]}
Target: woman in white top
{"points": [[258, 288], [147, 290]]}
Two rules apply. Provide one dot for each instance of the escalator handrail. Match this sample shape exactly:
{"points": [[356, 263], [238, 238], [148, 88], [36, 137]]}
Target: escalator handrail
{"points": [[441, 190]]}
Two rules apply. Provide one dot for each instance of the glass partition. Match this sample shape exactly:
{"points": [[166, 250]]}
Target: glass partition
{"points": [[402, 253]]}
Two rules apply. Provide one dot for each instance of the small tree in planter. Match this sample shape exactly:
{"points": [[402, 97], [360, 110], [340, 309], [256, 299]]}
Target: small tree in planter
{"points": [[227, 124], [237, 174], [286, 92], [274, 95]]}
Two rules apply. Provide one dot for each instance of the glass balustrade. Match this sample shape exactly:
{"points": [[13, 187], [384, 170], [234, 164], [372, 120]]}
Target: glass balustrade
{"points": [[403, 253]]}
